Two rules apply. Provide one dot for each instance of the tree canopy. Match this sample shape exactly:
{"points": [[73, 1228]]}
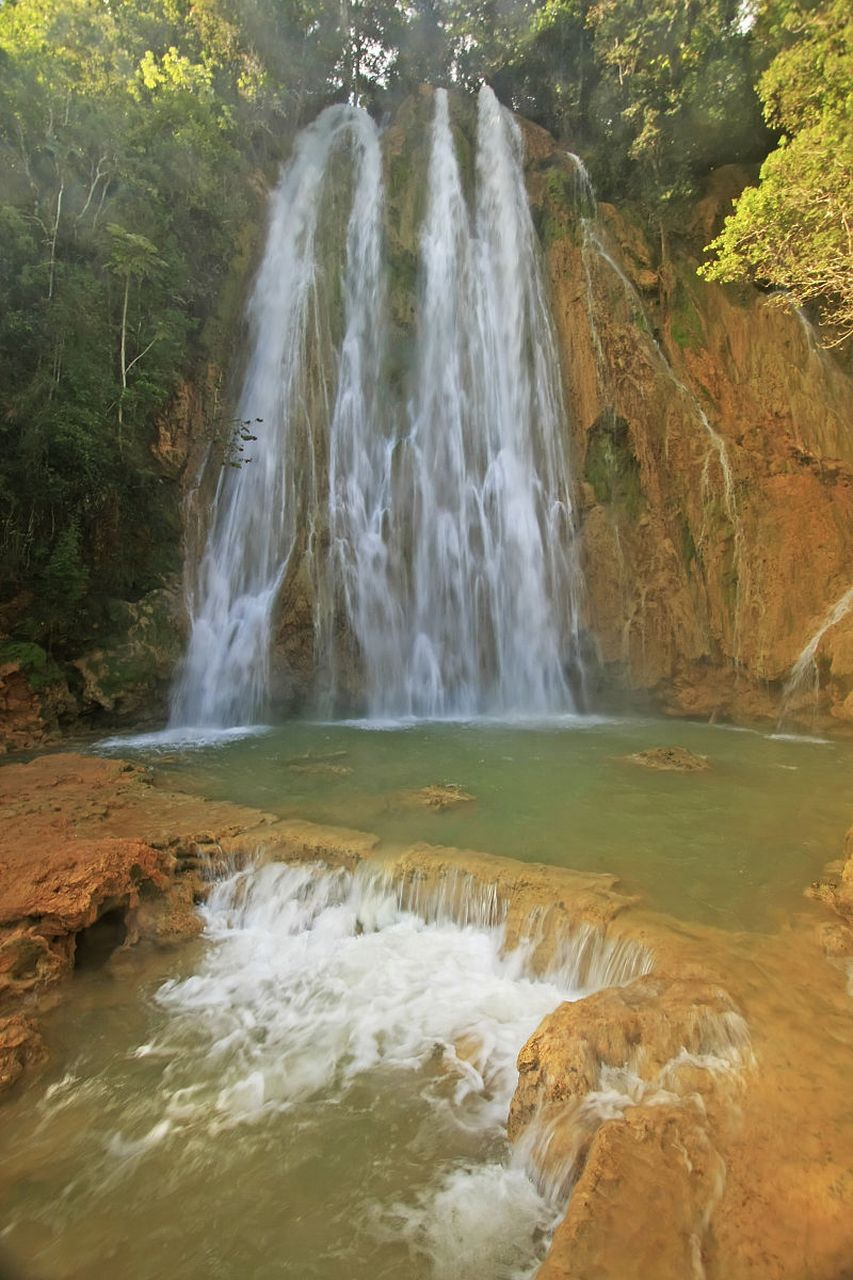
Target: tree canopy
{"points": [[793, 230]]}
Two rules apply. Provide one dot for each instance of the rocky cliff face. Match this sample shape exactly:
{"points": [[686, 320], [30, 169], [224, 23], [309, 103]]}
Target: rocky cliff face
{"points": [[712, 444], [713, 440]]}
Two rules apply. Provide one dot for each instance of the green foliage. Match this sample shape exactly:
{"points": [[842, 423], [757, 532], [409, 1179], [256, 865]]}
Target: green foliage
{"points": [[132, 138], [793, 230], [611, 464], [689, 551], [37, 665], [558, 214], [685, 320], [653, 93], [129, 138]]}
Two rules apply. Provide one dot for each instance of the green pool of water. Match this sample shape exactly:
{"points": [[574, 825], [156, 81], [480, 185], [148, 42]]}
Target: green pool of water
{"points": [[733, 845]]}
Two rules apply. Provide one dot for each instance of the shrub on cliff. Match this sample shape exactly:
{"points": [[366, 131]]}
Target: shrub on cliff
{"points": [[793, 230]]}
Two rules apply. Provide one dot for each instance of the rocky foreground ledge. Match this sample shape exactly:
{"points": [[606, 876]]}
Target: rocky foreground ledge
{"points": [[93, 856], [696, 1108]]}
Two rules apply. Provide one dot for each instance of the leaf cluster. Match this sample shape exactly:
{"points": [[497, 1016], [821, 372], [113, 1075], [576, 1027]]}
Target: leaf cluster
{"points": [[792, 232]]}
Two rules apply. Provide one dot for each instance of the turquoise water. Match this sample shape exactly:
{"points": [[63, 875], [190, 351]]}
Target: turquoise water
{"points": [[734, 845], [284, 1096]]}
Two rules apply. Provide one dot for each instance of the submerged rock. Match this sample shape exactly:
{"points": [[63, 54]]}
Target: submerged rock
{"points": [[835, 890], [439, 796], [317, 762], [321, 767], [670, 759]]}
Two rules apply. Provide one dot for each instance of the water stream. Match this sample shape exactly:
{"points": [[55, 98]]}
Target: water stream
{"points": [[805, 670], [262, 507], [329, 1066], [447, 513], [493, 609]]}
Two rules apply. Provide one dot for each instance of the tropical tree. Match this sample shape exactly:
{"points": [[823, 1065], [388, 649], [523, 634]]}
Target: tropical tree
{"points": [[793, 230]]}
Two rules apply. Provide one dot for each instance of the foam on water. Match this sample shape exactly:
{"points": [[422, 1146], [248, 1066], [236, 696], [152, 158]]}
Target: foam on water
{"points": [[315, 977], [315, 984], [488, 1220], [184, 739], [568, 721], [798, 737]]}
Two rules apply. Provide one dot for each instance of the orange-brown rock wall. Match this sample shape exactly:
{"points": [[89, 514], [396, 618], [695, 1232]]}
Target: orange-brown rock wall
{"points": [[714, 444]]}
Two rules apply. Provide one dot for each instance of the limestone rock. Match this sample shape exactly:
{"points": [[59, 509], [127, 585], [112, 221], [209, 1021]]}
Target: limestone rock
{"points": [[321, 768], [170, 916], [21, 1047], [34, 697], [617, 1094], [707, 574], [437, 796], [670, 760], [130, 674], [642, 1205], [639, 1029]]}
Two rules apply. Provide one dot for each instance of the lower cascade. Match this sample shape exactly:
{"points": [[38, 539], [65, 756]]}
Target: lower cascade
{"points": [[435, 521], [346, 1039]]}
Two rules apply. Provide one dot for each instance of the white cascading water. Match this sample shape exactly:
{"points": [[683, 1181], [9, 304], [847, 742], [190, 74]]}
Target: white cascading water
{"points": [[450, 554], [805, 670], [491, 609], [313, 981], [336, 1059], [262, 508]]}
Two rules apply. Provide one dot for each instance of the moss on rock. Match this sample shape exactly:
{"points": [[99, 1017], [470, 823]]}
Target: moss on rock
{"points": [[611, 465]]}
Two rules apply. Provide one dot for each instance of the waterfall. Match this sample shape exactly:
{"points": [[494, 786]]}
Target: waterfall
{"points": [[262, 509], [435, 524], [495, 605], [806, 663]]}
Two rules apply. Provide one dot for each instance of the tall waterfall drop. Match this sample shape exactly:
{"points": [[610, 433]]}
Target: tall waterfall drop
{"points": [[265, 508], [435, 525]]}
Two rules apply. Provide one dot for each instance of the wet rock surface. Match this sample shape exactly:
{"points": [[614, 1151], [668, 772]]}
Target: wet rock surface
{"points": [[711, 433], [92, 857], [617, 1096], [21, 1048], [835, 890], [661, 1161], [438, 796]]}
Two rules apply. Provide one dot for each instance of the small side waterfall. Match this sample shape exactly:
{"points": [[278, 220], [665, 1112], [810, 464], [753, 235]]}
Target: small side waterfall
{"points": [[594, 250], [805, 670], [435, 526]]}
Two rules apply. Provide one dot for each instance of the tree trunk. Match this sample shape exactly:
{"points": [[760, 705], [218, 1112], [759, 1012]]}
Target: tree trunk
{"points": [[123, 358]]}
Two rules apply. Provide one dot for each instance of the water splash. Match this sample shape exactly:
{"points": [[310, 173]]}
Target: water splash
{"points": [[313, 980], [325, 1043]]}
